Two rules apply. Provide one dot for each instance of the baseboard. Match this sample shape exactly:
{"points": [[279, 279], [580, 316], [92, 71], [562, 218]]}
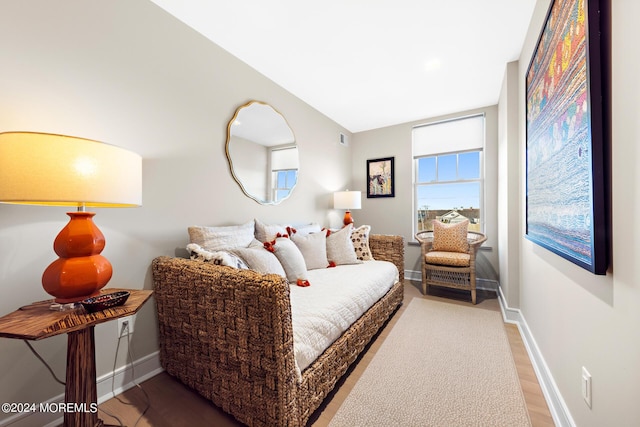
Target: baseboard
{"points": [[557, 406], [487, 284], [108, 386], [124, 378], [414, 276], [484, 284]]}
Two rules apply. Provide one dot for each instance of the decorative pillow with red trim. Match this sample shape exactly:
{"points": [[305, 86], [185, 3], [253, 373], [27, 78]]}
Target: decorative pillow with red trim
{"points": [[259, 260], [290, 258], [306, 228], [313, 247], [268, 232], [340, 248]]}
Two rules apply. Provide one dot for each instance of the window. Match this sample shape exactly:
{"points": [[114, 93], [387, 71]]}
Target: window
{"points": [[448, 165], [284, 171], [284, 181]]}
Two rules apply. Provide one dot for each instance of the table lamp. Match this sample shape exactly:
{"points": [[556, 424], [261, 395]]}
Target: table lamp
{"points": [[58, 170], [347, 200]]}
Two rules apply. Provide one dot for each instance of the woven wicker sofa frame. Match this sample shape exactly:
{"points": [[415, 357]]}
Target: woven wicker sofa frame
{"points": [[227, 334]]}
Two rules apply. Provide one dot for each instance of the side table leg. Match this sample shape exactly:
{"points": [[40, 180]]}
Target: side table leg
{"points": [[81, 396]]}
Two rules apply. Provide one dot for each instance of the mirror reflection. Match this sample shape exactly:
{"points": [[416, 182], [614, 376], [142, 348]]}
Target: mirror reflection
{"points": [[262, 153]]}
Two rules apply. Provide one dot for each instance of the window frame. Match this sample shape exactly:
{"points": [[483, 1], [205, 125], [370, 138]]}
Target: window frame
{"points": [[438, 154], [417, 184], [274, 183]]}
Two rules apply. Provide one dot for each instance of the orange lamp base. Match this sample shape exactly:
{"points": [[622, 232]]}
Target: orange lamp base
{"points": [[348, 219], [81, 271]]}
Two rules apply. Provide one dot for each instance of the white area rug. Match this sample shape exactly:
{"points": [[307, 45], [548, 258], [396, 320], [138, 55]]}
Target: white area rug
{"points": [[441, 365]]}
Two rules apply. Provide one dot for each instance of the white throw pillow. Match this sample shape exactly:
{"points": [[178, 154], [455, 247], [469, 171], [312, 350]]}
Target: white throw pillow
{"points": [[340, 247], [312, 227], [260, 260], [268, 232], [220, 238], [291, 259], [314, 249]]}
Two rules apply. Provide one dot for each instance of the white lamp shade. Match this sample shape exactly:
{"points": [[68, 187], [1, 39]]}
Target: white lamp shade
{"points": [[347, 200], [47, 169]]}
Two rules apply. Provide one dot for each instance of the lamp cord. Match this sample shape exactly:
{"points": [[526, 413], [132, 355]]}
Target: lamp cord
{"points": [[33, 350], [133, 375], [130, 359]]}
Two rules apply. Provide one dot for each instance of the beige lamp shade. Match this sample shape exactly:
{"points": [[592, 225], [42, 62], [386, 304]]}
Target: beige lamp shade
{"points": [[47, 169], [347, 200]]}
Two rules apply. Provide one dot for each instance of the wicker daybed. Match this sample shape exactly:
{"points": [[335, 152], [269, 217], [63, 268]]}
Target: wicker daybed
{"points": [[227, 334]]}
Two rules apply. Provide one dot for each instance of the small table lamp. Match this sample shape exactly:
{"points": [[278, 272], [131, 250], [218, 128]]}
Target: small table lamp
{"points": [[347, 200], [57, 170]]}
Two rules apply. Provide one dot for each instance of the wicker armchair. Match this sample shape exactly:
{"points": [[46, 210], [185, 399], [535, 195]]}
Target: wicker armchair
{"points": [[448, 272]]}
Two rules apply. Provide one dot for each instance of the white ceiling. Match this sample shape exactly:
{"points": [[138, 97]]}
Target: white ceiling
{"points": [[367, 64]]}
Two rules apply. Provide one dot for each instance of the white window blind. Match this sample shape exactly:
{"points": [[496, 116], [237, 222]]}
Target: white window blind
{"points": [[449, 136], [284, 159]]}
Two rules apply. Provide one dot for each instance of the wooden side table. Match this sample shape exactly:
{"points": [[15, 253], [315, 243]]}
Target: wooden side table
{"points": [[37, 321]]}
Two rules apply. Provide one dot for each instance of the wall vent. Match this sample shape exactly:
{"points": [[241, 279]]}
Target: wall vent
{"points": [[344, 141]]}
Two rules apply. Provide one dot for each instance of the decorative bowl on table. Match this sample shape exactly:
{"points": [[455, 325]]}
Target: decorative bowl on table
{"points": [[104, 301]]}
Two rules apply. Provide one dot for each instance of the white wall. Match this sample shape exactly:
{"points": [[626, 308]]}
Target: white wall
{"points": [[508, 186], [395, 215], [577, 318], [127, 73]]}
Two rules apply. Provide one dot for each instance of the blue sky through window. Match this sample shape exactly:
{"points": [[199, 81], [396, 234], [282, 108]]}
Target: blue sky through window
{"points": [[443, 174], [449, 196]]}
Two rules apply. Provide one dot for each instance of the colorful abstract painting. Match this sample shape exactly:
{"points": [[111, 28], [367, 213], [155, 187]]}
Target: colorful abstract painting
{"points": [[380, 182], [562, 159]]}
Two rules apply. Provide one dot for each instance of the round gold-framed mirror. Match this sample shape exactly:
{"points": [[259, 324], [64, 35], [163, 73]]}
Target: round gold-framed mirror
{"points": [[262, 153]]}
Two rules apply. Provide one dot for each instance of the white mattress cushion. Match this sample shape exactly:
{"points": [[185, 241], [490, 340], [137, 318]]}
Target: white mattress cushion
{"points": [[336, 298]]}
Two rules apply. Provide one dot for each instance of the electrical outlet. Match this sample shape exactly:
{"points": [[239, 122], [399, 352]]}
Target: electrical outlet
{"points": [[125, 325], [586, 386]]}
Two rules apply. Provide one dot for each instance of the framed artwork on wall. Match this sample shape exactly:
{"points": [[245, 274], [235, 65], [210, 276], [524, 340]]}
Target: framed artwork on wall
{"points": [[380, 178], [566, 118]]}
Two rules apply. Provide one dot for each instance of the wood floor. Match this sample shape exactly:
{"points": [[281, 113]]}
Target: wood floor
{"points": [[174, 405]]}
